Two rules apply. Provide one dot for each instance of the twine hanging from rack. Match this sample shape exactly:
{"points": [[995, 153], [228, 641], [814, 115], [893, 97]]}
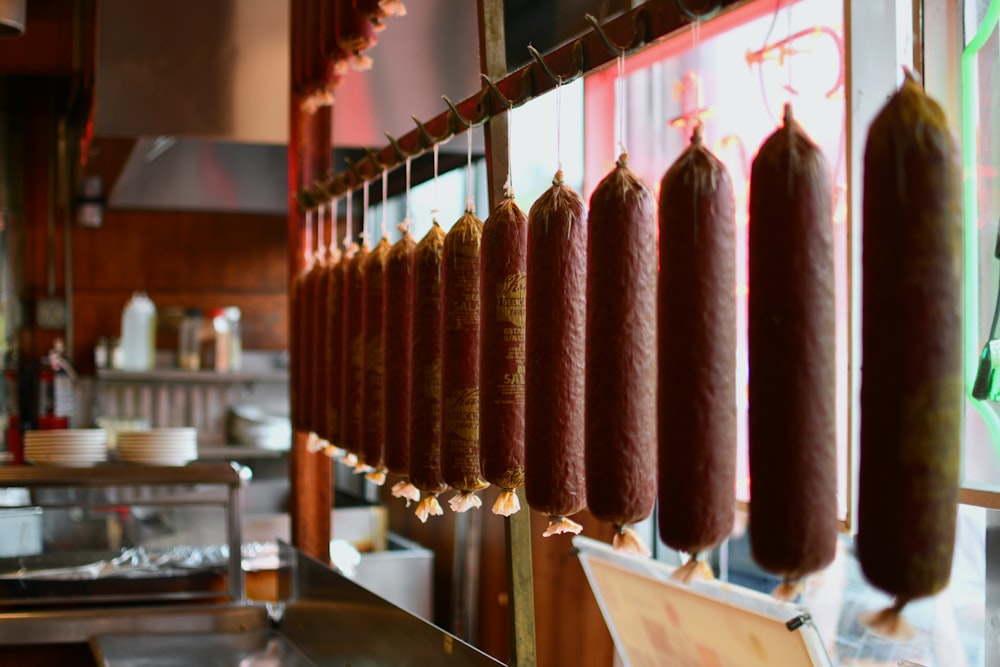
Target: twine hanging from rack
{"points": [[595, 49]]}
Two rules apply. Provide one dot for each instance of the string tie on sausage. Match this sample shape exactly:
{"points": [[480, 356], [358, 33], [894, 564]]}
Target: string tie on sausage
{"points": [[428, 507], [559, 525], [404, 489]]}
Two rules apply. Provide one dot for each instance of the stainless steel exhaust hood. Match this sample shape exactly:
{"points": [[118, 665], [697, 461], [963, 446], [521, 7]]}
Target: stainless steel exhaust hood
{"points": [[204, 86]]}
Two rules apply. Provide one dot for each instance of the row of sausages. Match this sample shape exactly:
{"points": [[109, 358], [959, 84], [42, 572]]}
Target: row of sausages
{"points": [[574, 354], [331, 37]]}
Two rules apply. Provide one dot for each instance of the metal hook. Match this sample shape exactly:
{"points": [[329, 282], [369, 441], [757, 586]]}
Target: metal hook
{"points": [[460, 118], [305, 200], [358, 178], [638, 33], [374, 159], [693, 15], [320, 191], [559, 79], [427, 140], [400, 153], [497, 93]]}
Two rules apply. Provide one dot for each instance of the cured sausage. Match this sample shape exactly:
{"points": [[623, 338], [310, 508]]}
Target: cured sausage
{"points": [[334, 345], [792, 416], [308, 359], [556, 316], [696, 335], [355, 33], [620, 374], [460, 363], [911, 386], [398, 357], [502, 289], [318, 362], [297, 310], [425, 374], [372, 395], [352, 354]]}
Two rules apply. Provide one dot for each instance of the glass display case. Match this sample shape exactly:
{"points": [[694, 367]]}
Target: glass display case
{"points": [[109, 534]]}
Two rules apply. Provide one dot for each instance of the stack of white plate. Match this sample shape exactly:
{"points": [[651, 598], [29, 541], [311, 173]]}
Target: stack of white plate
{"points": [[159, 446], [72, 447]]}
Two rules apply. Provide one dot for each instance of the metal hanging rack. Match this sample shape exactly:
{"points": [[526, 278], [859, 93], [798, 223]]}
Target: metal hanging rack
{"points": [[595, 49]]}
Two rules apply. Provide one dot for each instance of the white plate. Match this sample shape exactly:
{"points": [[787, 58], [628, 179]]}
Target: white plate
{"points": [[188, 447], [157, 441], [64, 464], [65, 452], [65, 431], [75, 447], [173, 462], [179, 431], [66, 445], [62, 440]]}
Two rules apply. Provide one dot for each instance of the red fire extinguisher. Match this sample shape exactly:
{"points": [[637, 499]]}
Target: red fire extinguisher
{"points": [[54, 373]]}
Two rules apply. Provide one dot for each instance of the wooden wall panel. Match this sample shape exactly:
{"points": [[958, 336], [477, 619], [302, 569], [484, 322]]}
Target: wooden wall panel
{"points": [[47, 44], [181, 259]]}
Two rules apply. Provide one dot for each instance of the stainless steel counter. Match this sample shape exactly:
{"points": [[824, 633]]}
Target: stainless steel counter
{"points": [[324, 619], [263, 649]]}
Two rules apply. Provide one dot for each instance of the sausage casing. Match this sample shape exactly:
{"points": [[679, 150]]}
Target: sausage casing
{"points": [[502, 289], [425, 395], [460, 356], [398, 353], [556, 314], [696, 331], [352, 352], [620, 374], [792, 355], [372, 385], [911, 382]]}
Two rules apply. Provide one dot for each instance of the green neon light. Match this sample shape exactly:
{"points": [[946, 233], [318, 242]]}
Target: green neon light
{"points": [[971, 205]]}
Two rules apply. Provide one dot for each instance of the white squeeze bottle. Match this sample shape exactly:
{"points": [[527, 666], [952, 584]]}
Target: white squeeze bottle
{"points": [[138, 333]]}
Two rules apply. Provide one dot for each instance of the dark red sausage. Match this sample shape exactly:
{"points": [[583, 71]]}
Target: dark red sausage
{"points": [[556, 315], [318, 362], [792, 417], [307, 362], [352, 352], [372, 385], [502, 290], [355, 32], [911, 383], [460, 363], [696, 331], [334, 346], [620, 417], [425, 375], [398, 356], [296, 350]]}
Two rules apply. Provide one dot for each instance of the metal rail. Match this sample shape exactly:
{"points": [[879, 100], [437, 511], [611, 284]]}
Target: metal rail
{"points": [[623, 35]]}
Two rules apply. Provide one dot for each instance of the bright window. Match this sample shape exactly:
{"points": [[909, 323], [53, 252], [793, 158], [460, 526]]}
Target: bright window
{"points": [[735, 75]]}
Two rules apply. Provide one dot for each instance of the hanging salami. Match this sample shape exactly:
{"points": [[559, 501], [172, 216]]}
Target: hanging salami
{"points": [[502, 290], [620, 374], [352, 354], [555, 313], [372, 385], [911, 383], [334, 344], [696, 331], [398, 357], [425, 374], [792, 418], [460, 305]]}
